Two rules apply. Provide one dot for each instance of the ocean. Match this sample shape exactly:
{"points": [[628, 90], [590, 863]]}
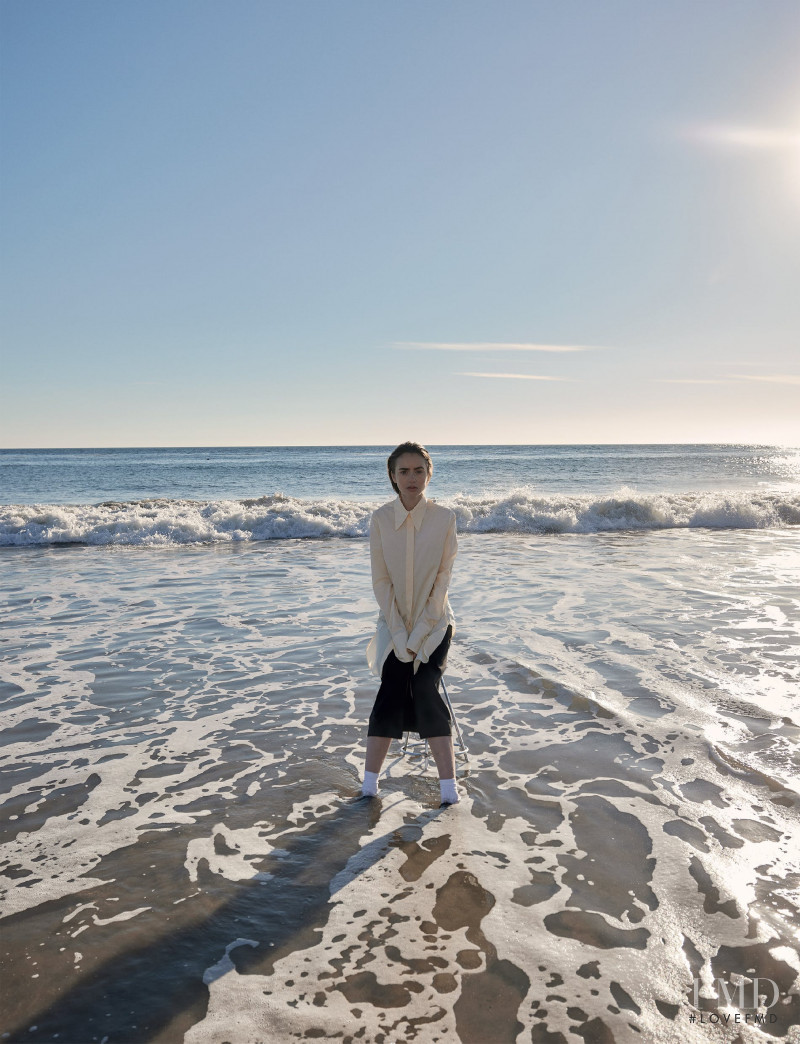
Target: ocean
{"points": [[184, 696]]}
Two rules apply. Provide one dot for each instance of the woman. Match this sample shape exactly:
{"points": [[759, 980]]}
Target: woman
{"points": [[412, 548]]}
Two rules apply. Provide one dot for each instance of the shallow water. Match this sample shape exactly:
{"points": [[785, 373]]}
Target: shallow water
{"points": [[183, 857]]}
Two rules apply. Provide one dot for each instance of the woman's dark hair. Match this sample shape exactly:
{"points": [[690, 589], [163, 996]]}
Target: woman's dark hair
{"points": [[396, 454]]}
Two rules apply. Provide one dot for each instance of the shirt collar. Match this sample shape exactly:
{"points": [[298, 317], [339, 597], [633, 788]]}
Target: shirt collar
{"points": [[417, 515]]}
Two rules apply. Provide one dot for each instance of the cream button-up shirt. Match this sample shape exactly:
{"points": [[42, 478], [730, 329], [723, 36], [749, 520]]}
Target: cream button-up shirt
{"points": [[412, 555]]}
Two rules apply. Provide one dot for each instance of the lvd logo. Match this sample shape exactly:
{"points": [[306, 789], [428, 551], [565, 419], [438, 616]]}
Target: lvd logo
{"points": [[748, 994]]}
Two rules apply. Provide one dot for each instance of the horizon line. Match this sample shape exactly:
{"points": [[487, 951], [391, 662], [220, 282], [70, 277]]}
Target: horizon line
{"points": [[381, 446]]}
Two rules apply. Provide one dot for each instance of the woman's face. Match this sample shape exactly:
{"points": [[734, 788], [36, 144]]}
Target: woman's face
{"points": [[411, 476]]}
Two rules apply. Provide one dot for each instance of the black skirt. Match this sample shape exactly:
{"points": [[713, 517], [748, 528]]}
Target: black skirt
{"points": [[409, 702]]}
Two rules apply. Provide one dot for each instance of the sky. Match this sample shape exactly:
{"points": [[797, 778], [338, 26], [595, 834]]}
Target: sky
{"points": [[335, 222]]}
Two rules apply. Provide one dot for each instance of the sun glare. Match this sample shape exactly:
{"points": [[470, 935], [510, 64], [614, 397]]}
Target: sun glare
{"points": [[742, 137], [780, 142]]}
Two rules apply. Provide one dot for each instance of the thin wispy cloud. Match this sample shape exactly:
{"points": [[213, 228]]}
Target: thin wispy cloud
{"points": [[513, 376], [776, 378], [739, 136], [491, 346]]}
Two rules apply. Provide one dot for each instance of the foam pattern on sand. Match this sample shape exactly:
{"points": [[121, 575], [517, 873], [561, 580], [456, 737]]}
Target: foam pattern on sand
{"points": [[184, 857]]}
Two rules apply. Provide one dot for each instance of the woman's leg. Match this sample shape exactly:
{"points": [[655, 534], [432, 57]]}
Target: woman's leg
{"points": [[377, 749], [443, 755], [433, 717], [386, 719], [377, 746]]}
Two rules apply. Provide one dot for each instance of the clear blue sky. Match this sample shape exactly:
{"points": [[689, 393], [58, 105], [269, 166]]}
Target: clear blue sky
{"points": [[252, 222]]}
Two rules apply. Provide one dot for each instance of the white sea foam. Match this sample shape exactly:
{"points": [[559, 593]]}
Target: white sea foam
{"points": [[277, 517], [185, 731]]}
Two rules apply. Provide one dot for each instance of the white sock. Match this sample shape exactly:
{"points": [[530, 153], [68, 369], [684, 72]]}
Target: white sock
{"points": [[449, 792], [369, 788]]}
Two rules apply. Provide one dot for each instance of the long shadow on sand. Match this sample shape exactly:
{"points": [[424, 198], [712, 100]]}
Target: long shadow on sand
{"points": [[155, 991]]}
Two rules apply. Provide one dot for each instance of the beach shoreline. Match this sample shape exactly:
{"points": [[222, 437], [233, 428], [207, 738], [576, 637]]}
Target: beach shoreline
{"points": [[183, 749]]}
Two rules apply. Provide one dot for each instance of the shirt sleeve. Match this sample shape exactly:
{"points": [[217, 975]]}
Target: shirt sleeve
{"points": [[434, 607], [384, 592]]}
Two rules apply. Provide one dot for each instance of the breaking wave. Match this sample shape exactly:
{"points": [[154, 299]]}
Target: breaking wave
{"points": [[279, 517]]}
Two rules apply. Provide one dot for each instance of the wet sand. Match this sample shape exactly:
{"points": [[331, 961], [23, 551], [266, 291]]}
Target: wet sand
{"points": [[185, 858]]}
